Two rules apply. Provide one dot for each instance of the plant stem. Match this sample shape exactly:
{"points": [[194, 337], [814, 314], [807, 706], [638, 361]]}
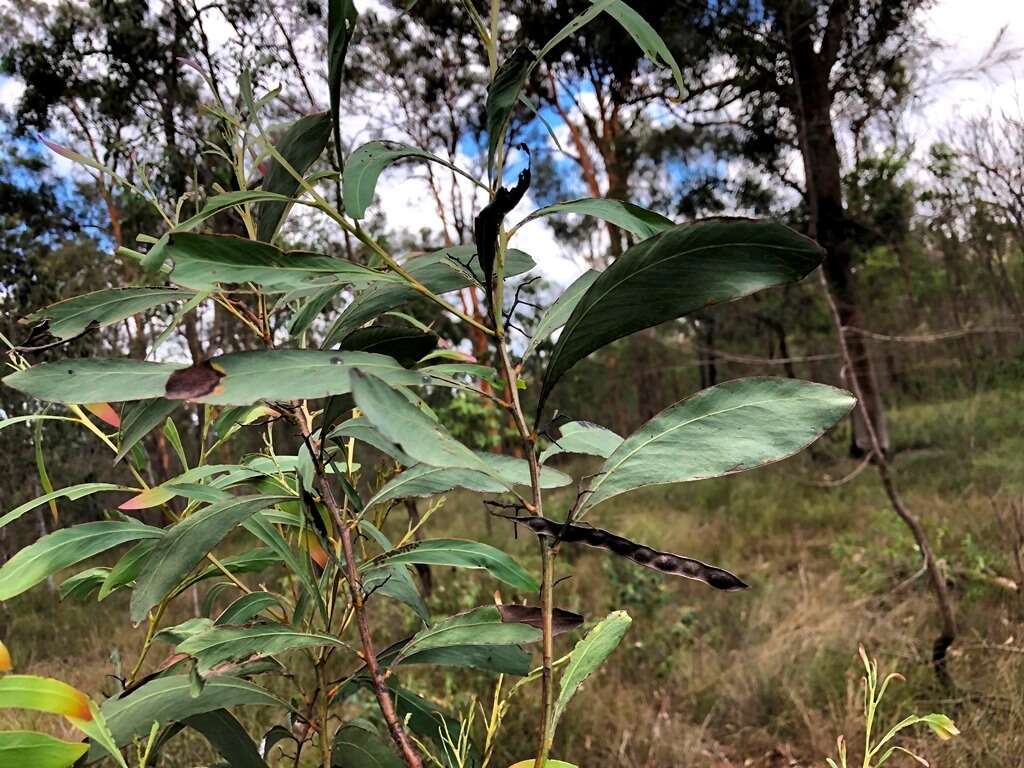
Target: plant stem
{"points": [[938, 580], [548, 551], [380, 688]]}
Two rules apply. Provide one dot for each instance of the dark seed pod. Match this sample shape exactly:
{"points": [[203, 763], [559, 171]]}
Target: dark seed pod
{"points": [[664, 562], [561, 621]]}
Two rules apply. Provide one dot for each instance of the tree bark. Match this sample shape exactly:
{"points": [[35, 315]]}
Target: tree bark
{"points": [[829, 223]]}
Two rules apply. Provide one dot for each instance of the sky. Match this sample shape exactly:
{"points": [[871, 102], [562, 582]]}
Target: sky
{"points": [[965, 30]]}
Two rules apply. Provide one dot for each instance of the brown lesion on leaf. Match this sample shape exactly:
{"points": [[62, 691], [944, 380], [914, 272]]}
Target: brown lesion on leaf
{"points": [[196, 381]]}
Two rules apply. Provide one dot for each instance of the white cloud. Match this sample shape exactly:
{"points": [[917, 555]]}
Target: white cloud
{"points": [[966, 31]]}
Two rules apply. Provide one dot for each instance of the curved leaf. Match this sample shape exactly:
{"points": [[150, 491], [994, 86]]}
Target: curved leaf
{"points": [[170, 699], [358, 745], [676, 272], [203, 262], [647, 38], [64, 548], [729, 428], [72, 493], [247, 607], [140, 420], [407, 345], [478, 627], [461, 553], [641, 222], [441, 271], [93, 380], [228, 737], [43, 694], [582, 437], [558, 313], [365, 165], [72, 317], [243, 378], [221, 644], [403, 423], [227, 200], [301, 145], [39, 750], [186, 544], [588, 655], [341, 23]]}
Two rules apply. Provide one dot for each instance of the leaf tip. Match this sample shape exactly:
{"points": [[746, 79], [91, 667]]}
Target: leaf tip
{"points": [[105, 413], [5, 659]]}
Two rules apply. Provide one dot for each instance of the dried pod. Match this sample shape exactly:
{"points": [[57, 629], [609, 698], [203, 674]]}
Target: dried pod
{"points": [[561, 621], [664, 562]]}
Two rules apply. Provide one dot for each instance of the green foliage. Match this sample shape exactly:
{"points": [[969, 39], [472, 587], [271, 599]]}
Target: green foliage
{"points": [[309, 516]]}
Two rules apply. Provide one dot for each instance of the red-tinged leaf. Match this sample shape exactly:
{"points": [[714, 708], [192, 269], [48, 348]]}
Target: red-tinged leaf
{"points": [[316, 552], [104, 412], [5, 659], [60, 149], [44, 694], [148, 499]]}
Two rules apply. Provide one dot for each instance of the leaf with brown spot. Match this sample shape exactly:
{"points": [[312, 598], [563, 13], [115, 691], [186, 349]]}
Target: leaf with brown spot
{"points": [[193, 382], [664, 562], [561, 621]]}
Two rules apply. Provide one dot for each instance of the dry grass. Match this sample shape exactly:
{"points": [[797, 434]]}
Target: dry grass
{"points": [[767, 677]]}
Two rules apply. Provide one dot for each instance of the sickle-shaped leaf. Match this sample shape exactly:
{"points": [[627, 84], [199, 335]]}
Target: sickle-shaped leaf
{"points": [[67, 547], [38, 750], [186, 544], [357, 744], [341, 24], [301, 145], [72, 317], [228, 737], [221, 644], [43, 694], [203, 262], [170, 699], [674, 273], [223, 202], [140, 420], [583, 437], [460, 553], [72, 492], [647, 38], [450, 269], [93, 380], [243, 378], [558, 313], [401, 422], [365, 165], [407, 345], [247, 607], [588, 655], [729, 428], [639, 221], [503, 94], [480, 626]]}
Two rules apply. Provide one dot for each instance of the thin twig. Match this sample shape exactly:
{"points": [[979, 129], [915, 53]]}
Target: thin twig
{"points": [[938, 580]]}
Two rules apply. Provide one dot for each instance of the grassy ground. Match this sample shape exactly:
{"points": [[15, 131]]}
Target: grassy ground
{"points": [[765, 677]]}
